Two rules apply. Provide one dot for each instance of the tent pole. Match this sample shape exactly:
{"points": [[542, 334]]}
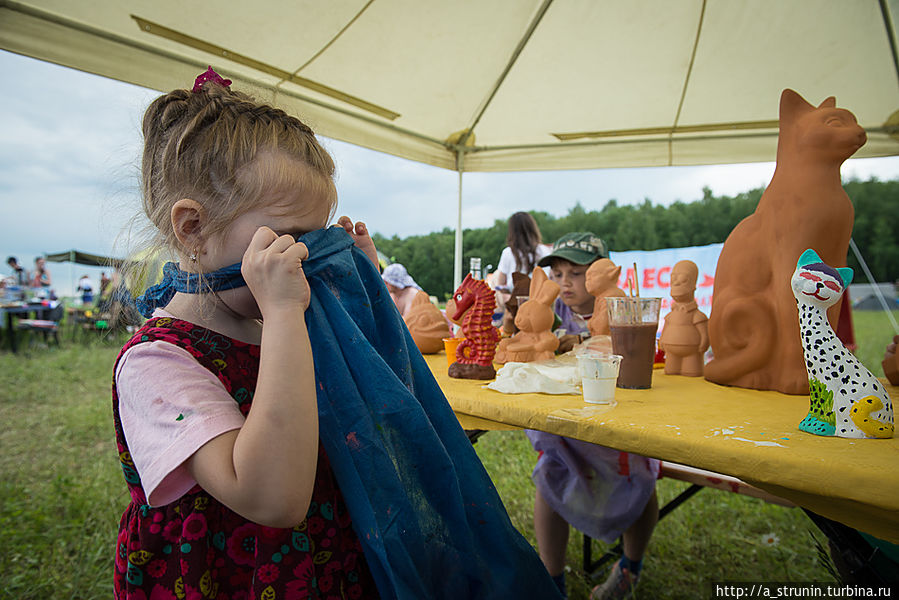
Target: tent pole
{"points": [[71, 273], [457, 252]]}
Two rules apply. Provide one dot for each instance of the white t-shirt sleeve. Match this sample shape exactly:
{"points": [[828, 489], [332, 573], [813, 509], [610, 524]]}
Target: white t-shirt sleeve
{"points": [[507, 264], [169, 405]]}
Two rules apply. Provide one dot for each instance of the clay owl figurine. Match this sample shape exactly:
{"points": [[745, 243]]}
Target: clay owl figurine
{"points": [[685, 337], [602, 282], [846, 399]]}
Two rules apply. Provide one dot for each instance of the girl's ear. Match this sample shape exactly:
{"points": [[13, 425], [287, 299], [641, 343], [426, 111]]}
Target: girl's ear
{"points": [[188, 217]]}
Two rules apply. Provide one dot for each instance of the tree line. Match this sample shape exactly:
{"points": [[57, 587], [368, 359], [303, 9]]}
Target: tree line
{"points": [[429, 258]]}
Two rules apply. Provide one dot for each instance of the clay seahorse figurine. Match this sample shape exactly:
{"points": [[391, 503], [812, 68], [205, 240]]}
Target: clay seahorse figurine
{"points": [[846, 399], [685, 337], [753, 325], [602, 282], [472, 307]]}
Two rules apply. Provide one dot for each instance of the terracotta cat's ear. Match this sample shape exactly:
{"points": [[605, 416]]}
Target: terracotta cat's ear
{"points": [[829, 103], [617, 273], [792, 104]]}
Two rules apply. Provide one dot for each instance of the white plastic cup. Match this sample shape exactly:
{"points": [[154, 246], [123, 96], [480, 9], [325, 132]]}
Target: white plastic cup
{"points": [[598, 372]]}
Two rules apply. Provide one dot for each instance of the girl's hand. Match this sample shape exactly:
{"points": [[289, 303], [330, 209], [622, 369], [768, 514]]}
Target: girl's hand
{"points": [[359, 233], [273, 269]]}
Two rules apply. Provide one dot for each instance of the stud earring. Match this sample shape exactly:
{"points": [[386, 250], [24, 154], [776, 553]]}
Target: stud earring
{"points": [[193, 256]]}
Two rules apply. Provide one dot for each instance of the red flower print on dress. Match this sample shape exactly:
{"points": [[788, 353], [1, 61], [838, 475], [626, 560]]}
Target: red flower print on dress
{"points": [[267, 573], [172, 530], [161, 593], [242, 544], [316, 525], [298, 589], [325, 583], [156, 568], [270, 533], [192, 593], [194, 526]]}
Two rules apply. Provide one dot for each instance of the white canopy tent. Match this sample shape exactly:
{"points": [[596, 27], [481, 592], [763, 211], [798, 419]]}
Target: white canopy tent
{"points": [[503, 85]]}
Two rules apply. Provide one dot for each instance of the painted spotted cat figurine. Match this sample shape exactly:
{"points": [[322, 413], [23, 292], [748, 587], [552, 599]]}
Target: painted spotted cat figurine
{"points": [[846, 399]]}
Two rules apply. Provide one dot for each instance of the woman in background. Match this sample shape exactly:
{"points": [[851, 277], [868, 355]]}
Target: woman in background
{"points": [[525, 247]]}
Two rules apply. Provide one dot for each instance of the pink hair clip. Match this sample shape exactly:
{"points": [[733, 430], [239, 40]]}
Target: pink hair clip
{"points": [[209, 75]]}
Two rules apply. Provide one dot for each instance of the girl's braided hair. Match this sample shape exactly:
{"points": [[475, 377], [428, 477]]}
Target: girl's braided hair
{"points": [[212, 145]]}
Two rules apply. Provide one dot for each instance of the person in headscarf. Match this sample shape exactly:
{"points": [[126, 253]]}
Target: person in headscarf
{"points": [[401, 286]]}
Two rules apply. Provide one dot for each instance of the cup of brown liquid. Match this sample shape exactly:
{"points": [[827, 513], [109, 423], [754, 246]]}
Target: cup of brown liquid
{"points": [[633, 322]]}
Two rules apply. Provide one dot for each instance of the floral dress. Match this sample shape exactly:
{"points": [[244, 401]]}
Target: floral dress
{"points": [[197, 548]]}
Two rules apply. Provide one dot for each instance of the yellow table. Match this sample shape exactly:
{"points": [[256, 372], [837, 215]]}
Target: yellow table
{"points": [[749, 434]]}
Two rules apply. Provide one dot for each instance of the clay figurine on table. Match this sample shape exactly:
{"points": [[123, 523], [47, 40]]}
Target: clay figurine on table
{"points": [[471, 307], [753, 323], [520, 288], [424, 320], [846, 400], [427, 324], [890, 362], [602, 281], [535, 339], [685, 336]]}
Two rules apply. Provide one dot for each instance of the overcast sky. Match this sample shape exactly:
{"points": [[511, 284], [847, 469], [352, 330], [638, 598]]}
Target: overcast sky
{"points": [[69, 156]]}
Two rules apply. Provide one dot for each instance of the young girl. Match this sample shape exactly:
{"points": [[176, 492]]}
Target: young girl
{"points": [[278, 438]]}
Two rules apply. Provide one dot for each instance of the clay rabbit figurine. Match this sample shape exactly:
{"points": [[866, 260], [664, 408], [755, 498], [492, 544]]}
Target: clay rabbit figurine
{"points": [[602, 282], [535, 339], [685, 337]]}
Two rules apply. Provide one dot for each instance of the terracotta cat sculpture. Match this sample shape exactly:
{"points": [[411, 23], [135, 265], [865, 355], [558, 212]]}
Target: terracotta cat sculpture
{"points": [[753, 325], [846, 400], [685, 337], [602, 282]]}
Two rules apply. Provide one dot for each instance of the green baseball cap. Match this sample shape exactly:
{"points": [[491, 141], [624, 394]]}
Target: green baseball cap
{"points": [[580, 247]]}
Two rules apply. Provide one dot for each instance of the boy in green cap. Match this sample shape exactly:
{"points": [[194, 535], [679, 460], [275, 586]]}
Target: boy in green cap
{"points": [[618, 498]]}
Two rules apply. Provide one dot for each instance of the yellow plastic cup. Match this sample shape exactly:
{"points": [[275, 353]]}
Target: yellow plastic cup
{"points": [[450, 345]]}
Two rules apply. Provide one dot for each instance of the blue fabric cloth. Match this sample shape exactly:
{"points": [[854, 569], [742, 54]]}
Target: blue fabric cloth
{"points": [[430, 520], [176, 280]]}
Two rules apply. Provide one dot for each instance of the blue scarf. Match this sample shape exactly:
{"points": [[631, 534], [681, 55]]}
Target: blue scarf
{"points": [[176, 280], [429, 519]]}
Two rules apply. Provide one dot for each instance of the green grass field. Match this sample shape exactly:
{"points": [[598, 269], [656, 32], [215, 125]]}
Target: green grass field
{"points": [[62, 492]]}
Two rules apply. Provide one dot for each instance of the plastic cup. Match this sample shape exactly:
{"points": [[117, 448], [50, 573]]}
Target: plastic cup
{"points": [[598, 372], [450, 345], [633, 323]]}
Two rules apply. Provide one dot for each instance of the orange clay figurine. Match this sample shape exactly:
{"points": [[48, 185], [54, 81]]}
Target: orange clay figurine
{"points": [[535, 339], [602, 282], [685, 337]]}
